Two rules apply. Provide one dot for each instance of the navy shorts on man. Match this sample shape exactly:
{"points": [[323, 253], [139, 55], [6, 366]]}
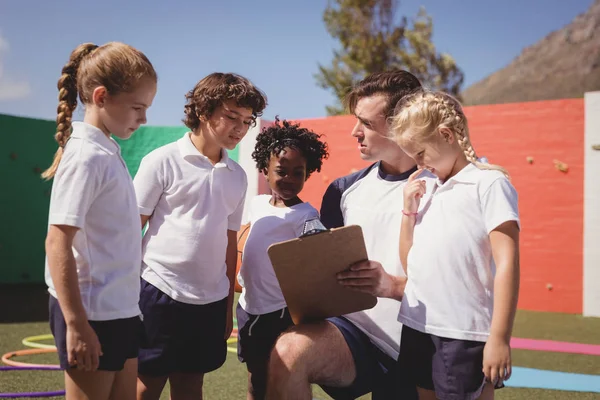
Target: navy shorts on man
{"points": [[180, 337], [119, 338], [375, 370]]}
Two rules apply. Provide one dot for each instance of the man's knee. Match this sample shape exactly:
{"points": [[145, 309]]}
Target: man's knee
{"points": [[289, 352], [317, 353]]}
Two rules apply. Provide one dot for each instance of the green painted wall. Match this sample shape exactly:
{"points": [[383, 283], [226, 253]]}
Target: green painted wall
{"points": [[148, 138], [26, 148]]}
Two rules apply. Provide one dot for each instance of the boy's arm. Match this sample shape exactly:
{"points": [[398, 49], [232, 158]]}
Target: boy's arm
{"points": [[231, 262], [149, 187], [234, 222]]}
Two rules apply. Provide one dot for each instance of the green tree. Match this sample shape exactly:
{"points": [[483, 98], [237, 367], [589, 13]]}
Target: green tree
{"points": [[372, 40]]}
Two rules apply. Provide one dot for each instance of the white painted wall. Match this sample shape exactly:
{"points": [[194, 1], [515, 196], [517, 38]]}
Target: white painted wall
{"points": [[256, 182], [591, 207], [246, 147]]}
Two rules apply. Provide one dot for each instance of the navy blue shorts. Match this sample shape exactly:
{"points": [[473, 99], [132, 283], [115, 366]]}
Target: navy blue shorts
{"points": [[375, 370], [256, 336], [119, 338], [450, 367], [180, 337]]}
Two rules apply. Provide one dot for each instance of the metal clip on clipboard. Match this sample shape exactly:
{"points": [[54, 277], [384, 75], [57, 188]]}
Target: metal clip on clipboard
{"points": [[313, 227]]}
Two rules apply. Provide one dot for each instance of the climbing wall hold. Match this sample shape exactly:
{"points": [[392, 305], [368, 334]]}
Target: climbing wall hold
{"points": [[561, 166], [530, 160]]}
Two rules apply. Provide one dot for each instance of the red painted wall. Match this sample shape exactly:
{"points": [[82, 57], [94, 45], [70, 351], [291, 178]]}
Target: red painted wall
{"points": [[550, 201]]}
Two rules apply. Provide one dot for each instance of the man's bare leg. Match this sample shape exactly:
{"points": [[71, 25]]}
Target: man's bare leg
{"points": [[305, 354]]}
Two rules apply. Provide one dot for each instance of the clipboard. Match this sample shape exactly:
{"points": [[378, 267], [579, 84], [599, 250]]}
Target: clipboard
{"points": [[306, 269]]}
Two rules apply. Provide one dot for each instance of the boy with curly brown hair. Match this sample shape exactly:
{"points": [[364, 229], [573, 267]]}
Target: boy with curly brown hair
{"points": [[192, 194]]}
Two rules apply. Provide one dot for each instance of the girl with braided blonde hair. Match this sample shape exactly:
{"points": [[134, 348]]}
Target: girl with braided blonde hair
{"points": [[460, 250], [94, 240]]}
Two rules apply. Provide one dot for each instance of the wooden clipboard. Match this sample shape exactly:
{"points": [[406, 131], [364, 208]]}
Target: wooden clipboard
{"points": [[306, 269]]}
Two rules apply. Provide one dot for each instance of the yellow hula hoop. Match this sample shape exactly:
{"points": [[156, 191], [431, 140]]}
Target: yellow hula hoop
{"points": [[32, 341], [232, 340]]}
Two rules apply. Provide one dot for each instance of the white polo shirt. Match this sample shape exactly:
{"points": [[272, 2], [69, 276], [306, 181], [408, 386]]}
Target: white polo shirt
{"points": [[450, 289], [261, 292], [192, 204], [373, 199], [92, 190]]}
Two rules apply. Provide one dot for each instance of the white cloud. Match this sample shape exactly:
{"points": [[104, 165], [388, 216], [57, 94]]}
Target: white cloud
{"points": [[10, 89]]}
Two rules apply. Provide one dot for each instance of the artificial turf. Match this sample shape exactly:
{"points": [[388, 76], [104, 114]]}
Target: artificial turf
{"points": [[229, 382]]}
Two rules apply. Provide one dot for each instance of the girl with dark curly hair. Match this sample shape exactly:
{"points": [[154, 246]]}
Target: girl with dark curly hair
{"points": [[287, 155]]}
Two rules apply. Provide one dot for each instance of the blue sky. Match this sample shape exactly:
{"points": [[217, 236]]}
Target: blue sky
{"points": [[275, 43]]}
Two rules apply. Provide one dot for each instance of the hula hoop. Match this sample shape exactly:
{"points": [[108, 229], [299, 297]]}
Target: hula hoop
{"points": [[42, 348], [32, 341], [6, 358], [31, 394], [233, 339]]}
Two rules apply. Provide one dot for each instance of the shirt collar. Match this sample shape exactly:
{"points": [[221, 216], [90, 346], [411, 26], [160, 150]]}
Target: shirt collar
{"points": [[466, 175], [85, 131], [188, 150], [394, 178]]}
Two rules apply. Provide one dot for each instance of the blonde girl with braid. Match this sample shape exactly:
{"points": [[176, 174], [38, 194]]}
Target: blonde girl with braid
{"points": [[460, 250], [94, 241]]}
